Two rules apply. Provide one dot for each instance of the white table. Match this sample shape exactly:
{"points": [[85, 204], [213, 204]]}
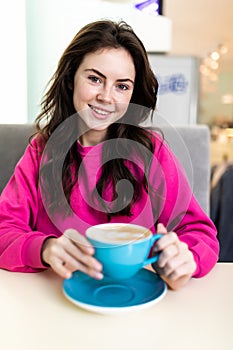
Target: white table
{"points": [[34, 314]]}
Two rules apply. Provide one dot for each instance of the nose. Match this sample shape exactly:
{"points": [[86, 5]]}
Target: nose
{"points": [[105, 95]]}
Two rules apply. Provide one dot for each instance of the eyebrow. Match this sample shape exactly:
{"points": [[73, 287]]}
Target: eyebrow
{"points": [[103, 76]]}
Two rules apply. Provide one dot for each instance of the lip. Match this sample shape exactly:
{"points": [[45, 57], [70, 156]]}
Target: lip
{"points": [[100, 113]]}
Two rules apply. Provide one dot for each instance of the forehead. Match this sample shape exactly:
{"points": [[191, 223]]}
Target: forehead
{"points": [[110, 60]]}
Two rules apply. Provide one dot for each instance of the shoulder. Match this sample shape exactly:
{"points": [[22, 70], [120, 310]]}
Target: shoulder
{"points": [[36, 145], [33, 152], [165, 159], [162, 150]]}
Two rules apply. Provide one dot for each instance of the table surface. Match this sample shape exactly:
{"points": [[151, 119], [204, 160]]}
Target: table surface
{"points": [[34, 314]]}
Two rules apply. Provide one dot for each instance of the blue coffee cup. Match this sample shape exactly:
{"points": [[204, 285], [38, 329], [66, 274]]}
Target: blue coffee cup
{"points": [[122, 257]]}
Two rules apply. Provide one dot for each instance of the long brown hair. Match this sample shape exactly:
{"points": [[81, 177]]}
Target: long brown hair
{"points": [[57, 106]]}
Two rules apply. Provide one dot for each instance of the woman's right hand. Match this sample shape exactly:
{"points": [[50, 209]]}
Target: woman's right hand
{"points": [[69, 253]]}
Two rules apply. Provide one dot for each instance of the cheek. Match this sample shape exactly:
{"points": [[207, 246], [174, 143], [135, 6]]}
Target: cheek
{"points": [[81, 96], [123, 103], [122, 108], [128, 97]]}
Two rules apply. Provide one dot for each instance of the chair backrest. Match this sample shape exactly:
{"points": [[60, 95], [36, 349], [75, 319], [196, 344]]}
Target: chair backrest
{"points": [[190, 144], [13, 141]]}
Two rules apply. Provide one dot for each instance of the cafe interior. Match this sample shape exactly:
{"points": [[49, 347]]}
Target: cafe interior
{"points": [[190, 46]]}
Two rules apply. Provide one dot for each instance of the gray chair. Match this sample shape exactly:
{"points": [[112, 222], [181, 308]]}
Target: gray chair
{"points": [[13, 141], [190, 144]]}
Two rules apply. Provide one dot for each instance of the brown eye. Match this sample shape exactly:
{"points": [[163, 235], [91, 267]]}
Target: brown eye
{"points": [[94, 79], [123, 87]]}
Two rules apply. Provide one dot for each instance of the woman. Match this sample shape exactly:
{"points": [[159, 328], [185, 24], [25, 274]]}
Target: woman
{"points": [[88, 144]]}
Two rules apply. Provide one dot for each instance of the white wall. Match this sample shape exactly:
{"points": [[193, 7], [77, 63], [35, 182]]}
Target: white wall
{"points": [[13, 86]]}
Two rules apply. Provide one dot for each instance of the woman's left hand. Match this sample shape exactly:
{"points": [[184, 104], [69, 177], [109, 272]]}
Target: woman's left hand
{"points": [[176, 263]]}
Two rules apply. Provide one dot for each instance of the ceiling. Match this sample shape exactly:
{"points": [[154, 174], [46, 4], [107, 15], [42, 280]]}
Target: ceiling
{"points": [[200, 26]]}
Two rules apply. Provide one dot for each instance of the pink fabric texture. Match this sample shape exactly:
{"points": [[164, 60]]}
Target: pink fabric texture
{"points": [[25, 222]]}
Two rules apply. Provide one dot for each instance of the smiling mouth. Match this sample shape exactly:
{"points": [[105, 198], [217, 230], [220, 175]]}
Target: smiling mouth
{"points": [[100, 111]]}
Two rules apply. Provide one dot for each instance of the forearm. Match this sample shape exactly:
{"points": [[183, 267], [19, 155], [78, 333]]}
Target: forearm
{"points": [[21, 251]]}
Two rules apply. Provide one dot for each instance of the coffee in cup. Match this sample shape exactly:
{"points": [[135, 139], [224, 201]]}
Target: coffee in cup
{"points": [[118, 233]]}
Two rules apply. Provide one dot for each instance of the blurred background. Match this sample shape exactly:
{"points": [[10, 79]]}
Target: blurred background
{"points": [[190, 46]]}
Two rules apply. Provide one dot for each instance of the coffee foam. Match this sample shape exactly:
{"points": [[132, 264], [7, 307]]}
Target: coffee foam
{"points": [[119, 233]]}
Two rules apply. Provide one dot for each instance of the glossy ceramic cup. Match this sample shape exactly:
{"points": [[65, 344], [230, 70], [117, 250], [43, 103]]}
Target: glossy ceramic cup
{"points": [[122, 259]]}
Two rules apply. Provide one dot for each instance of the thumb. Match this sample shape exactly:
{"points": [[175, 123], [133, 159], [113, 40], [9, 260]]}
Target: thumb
{"points": [[161, 228]]}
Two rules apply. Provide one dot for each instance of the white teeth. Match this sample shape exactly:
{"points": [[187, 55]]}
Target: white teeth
{"points": [[99, 111]]}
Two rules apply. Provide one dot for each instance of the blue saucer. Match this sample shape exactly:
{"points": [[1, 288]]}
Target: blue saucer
{"points": [[114, 296]]}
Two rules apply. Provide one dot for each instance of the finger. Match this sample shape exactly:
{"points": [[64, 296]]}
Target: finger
{"points": [[65, 257], [74, 265], [66, 265], [175, 264], [185, 269], [167, 254], [74, 253], [168, 239], [161, 228], [59, 267], [79, 240], [75, 258]]}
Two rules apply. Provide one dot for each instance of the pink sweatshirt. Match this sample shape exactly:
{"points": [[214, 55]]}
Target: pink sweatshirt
{"points": [[25, 224]]}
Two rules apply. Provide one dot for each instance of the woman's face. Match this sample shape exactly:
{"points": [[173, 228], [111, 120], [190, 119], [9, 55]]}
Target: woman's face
{"points": [[103, 86]]}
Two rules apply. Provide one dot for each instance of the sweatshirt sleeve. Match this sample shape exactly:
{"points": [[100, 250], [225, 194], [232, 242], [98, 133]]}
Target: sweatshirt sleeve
{"points": [[180, 212], [20, 242]]}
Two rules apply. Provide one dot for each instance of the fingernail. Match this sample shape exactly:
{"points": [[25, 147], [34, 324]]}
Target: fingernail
{"points": [[99, 275], [90, 250], [68, 275]]}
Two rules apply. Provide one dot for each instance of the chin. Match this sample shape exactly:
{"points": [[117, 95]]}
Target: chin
{"points": [[99, 126]]}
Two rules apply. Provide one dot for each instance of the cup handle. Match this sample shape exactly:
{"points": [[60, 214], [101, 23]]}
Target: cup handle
{"points": [[154, 258]]}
